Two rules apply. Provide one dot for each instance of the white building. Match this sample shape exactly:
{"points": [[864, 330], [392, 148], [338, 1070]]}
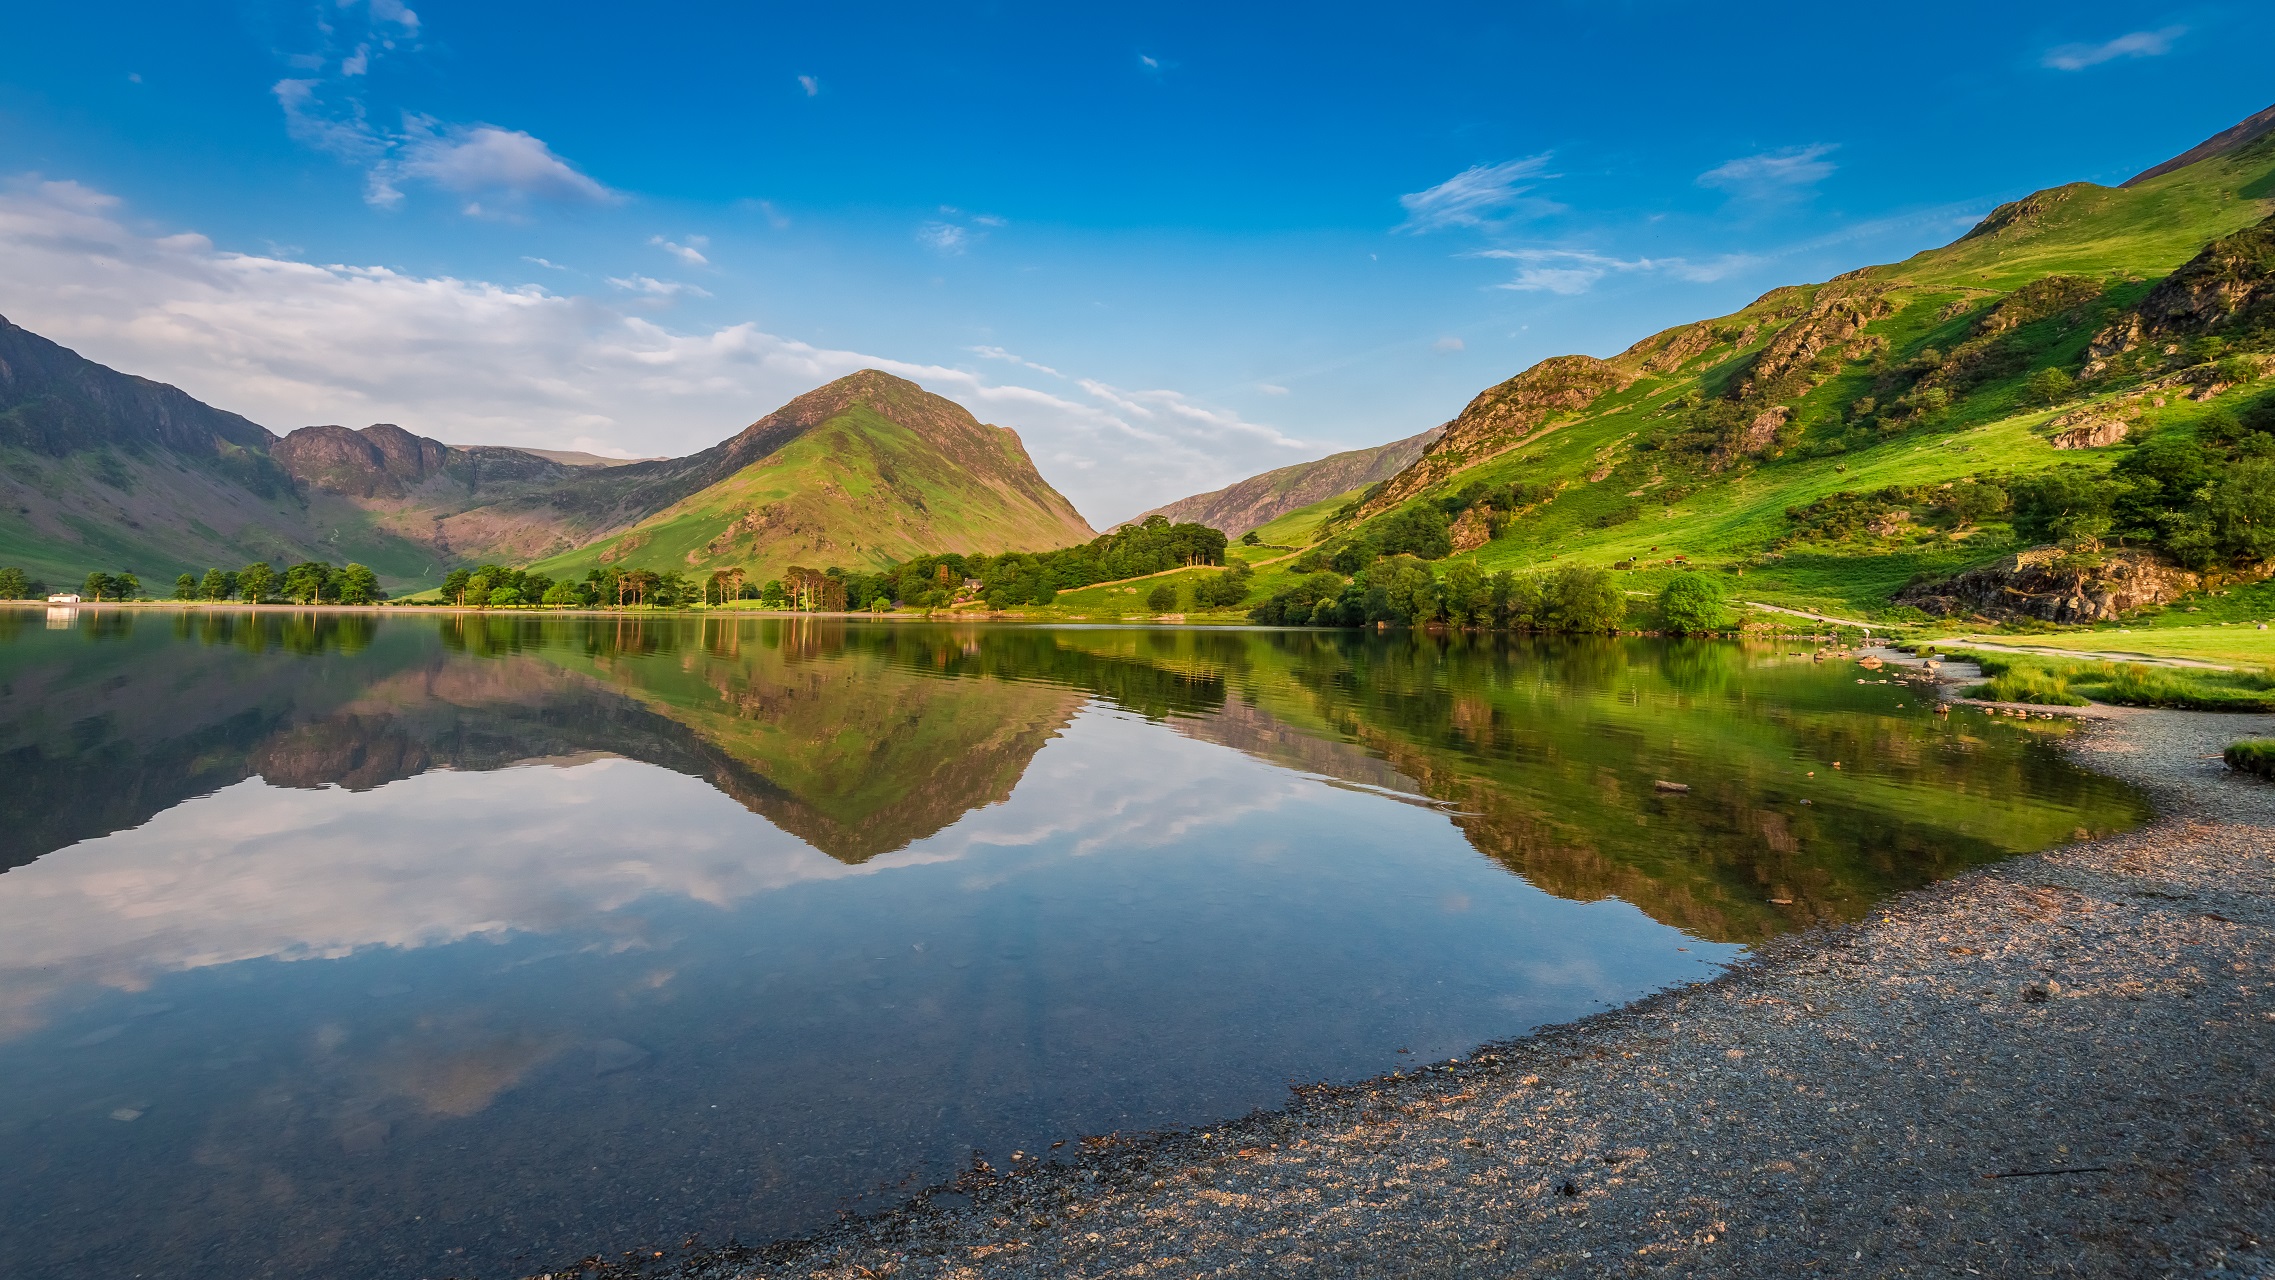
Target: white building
{"points": [[66, 597]]}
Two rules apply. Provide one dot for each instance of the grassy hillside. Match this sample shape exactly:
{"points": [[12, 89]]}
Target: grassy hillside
{"points": [[1746, 443], [878, 471]]}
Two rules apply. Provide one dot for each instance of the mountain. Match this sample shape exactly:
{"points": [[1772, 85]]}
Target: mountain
{"points": [[1261, 499], [1834, 442], [102, 469], [866, 470]]}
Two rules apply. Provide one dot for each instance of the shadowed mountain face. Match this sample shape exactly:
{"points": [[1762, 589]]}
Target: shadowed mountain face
{"points": [[1261, 499]]}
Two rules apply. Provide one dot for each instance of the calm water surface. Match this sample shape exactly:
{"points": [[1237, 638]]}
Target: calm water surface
{"points": [[357, 947]]}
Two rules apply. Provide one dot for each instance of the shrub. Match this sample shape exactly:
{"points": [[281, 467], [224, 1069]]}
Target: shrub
{"points": [[2050, 386], [1163, 598], [2252, 755], [1693, 602]]}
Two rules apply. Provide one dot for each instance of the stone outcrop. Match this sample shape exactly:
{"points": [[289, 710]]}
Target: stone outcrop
{"points": [[2050, 584], [1835, 319], [2088, 429], [2228, 289]]}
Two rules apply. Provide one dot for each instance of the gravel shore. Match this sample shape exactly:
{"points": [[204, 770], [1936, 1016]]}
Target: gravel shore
{"points": [[2058, 1065]]}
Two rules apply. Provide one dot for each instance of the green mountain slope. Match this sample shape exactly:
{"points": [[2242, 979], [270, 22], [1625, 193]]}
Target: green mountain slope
{"points": [[866, 471], [1739, 441], [1261, 499]]}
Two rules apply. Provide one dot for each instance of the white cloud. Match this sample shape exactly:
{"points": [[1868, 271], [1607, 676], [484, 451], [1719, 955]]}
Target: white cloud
{"points": [[2135, 44], [550, 266], [998, 353], [1575, 271], [1448, 345], [811, 84], [1149, 63], [943, 237], [1484, 195], [1772, 173], [690, 253], [1271, 388], [485, 159], [390, 11], [355, 64], [655, 288], [288, 343]]}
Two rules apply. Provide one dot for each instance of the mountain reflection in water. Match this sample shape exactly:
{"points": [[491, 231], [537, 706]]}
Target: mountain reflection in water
{"points": [[303, 969]]}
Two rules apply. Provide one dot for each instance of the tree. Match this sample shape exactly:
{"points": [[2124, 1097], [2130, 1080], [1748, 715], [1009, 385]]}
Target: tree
{"points": [[127, 585], [357, 584], [1467, 595], [1577, 598], [1163, 597], [563, 593], [307, 582], [97, 586], [218, 584], [1251, 539], [772, 595], [1222, 590], [2050, 386], [185, 587], [454, 586], [1693, 602], [13, 585], [256, 582]]}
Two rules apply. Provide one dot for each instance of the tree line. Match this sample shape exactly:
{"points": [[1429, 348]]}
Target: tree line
{"points": [[309, 582], [1403, 590]]}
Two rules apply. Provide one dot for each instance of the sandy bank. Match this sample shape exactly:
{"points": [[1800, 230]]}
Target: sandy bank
{"points": [[2057, 1065]]}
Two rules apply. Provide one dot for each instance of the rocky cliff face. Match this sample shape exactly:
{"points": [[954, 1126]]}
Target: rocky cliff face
{"points": [[2050, 584]]}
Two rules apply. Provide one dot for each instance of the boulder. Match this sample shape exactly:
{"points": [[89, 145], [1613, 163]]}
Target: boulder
{"points": [[2050, 584]]}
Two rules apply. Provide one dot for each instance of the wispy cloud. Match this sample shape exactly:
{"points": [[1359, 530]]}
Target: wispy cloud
{"points": [[943, 237], [1449, 345], [998, 353], [811, 84], [1483, 195], [655, 288], [1271, 388], [484, 160], [550, 266], [690, 253], [499, 171], [1772, 173], [1575, 271], [2133, 44]]}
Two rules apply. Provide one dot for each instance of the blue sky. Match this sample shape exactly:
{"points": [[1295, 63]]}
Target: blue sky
{"points": [[1171, 245]]}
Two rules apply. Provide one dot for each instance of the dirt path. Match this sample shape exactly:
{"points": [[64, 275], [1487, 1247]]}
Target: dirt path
{"points": [[1866, 627], [2058, 1065], [2083, 655]]}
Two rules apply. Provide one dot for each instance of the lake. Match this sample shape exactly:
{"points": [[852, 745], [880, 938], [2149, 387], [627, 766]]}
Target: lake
{"points": [[467, 945]]}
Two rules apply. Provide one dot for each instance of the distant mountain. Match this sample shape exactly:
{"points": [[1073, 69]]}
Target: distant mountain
{"points": [[101, 469], [104, 470], [868, 469], [1261, 499]]}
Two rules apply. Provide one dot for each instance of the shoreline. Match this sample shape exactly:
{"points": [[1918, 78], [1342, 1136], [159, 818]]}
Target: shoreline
{"points": [[2052, 1064]]}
